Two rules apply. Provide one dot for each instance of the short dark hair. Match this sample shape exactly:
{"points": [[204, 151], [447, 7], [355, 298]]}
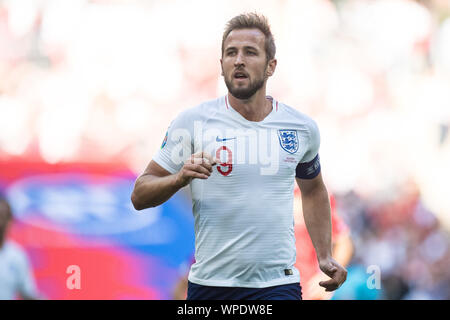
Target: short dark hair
{"points": [[252, 21]]}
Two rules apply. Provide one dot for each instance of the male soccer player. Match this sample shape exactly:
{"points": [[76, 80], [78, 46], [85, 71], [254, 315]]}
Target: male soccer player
{"points": [[243, 194]]}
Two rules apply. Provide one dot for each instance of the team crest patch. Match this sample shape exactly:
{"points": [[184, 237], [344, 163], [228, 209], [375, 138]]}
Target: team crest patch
{"points": [[165, 140], [288, 140]]}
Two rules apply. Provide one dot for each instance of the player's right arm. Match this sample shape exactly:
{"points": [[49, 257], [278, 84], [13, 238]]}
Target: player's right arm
{"points": [[157, 185]]}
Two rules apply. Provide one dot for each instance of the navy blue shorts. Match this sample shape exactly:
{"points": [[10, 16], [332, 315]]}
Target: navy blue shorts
{"points": [[292, 291]]}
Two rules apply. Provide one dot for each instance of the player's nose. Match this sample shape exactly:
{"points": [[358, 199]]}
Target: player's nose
{"points": [[239, 61]]}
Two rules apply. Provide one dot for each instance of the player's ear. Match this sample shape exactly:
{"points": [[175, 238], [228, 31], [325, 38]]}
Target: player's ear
{"points": [[271, 66], [221, 67]]}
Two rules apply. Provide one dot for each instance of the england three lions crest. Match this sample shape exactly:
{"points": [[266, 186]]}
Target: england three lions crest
{"points": [[288, 140]]}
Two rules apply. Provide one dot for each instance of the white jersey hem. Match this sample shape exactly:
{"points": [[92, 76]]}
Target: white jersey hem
{"points": [[237, 283]]}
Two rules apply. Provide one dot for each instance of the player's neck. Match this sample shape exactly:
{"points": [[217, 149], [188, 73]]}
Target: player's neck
{"points": [[254, 109]]}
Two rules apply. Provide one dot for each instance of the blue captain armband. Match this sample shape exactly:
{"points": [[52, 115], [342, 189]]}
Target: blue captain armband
{"points": [[308, 170]]}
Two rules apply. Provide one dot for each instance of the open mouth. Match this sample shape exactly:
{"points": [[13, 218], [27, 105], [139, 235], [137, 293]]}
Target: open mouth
{"points": [[240, 75]]}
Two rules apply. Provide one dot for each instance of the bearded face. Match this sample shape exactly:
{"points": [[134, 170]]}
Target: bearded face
{"points": [[244, 62], [243, 86]]}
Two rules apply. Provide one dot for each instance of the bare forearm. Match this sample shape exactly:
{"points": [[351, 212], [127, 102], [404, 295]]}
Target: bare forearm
{"points": [[317, 215], [150, 191], [157, 185]]}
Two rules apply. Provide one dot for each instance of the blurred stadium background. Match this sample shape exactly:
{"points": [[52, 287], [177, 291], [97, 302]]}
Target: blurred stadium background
{"points": [[88, 88]]}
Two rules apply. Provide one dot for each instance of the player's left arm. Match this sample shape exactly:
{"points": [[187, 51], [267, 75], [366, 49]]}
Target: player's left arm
{"points": [[317, 215]]}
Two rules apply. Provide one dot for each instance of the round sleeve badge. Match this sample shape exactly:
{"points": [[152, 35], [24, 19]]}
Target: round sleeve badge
{"points": [[165, 140]]}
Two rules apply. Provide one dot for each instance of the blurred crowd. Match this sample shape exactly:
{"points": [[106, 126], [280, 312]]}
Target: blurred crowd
{"points": [[101, 80], [403, 240]]}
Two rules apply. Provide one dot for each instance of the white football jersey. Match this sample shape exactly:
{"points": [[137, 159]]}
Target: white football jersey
{"points": [[243, 213]]}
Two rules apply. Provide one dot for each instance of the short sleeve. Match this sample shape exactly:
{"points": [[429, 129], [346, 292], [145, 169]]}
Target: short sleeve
{"points": [[314, 143], [177, 144], [309, 166]]}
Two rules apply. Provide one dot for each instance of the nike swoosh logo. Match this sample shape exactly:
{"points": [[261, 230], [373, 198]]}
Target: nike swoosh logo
{"points": [[224, 139]]}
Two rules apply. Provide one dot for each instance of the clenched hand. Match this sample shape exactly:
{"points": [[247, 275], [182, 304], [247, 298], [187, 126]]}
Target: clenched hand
{"points": [[335, 271]]}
